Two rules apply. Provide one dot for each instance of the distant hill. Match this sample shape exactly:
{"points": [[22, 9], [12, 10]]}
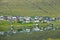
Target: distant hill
{"points": [[30, 7]]}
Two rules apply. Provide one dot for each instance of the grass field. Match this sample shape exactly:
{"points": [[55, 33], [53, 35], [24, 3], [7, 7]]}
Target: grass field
{"points": [[30, 7], [45, 35], [6, 25]]}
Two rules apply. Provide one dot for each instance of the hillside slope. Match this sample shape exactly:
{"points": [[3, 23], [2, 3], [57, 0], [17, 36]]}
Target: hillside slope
{"points": [[30, 7]]}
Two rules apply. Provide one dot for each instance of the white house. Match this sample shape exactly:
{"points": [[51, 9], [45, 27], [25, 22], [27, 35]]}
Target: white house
{"points": [[14, 18], [45, 21], [49, 28], [14, 32], [21, 18], [57, 19], [27, 19], [36, 21], [9, 18], [1, 33], [36, 28], [53, 19], [27, 30], [1, 17]]}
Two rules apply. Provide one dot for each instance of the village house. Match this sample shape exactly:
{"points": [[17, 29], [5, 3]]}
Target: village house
{"points": [[1, 33], [36, 27], [5, 18], [9, 18], [46, 20], [36, 19], [53, 19], [57, 28], [20, 18], [57, 19], [27, 19], [49, 28], [40, 18], [14, 18], [1, 17], [42, 28], [27, 30]]}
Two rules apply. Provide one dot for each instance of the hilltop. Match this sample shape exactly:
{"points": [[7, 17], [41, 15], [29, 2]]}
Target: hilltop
{"points": [[30, 7]]}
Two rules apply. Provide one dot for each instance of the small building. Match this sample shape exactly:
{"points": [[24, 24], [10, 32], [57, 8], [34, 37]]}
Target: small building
{"points": [[57, 28], [40, 18], [53, 19], [47, 18], [20, 19], [9, 18], [12, 28], [5, 18], [14, 32], [45, 21], [1, 33], [27, 30], [14, 18], [1, 17], [49, 28], [27, 19], [36, 27], [36, 19], [57, 19], [21, 30]]}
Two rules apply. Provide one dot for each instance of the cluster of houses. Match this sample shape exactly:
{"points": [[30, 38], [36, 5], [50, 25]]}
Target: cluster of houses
{"points": [[29, 19], [35, 28]]}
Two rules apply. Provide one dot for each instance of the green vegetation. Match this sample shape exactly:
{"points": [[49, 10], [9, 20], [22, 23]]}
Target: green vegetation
{"points": [[28, 8], [49, 8], [6, 25], [45, 35]]}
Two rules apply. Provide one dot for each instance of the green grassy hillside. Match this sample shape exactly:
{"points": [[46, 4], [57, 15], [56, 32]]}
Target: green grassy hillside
{"points": [[45, 35], [30, 7]]}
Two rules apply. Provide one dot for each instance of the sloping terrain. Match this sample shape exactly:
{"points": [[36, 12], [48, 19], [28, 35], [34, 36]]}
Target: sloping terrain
{"points": [[45, 35], [30, 7]]}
